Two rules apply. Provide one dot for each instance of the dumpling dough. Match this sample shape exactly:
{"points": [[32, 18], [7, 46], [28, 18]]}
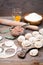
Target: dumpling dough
{"points": [[38, 44], [32, 39], [35, 33], [39, 37], [21, 38], [33, 52], [28, 35], [41, 31], [9, 43], [26, 43]]}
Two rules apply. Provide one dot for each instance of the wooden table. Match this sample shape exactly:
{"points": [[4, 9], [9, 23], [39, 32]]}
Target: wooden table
{"points": [[17, 61]]}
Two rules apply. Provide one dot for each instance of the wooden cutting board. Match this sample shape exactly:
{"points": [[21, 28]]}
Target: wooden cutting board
{"points": [[28, 59]]}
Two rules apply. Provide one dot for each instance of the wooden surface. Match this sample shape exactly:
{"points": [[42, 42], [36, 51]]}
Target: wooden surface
{"points": [[27, 6], [17, 61]]}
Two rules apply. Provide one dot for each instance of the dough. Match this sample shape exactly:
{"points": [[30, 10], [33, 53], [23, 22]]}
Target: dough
{"points": [[41, 31], [9, 43], [39, 37], [26, 43], [21, 38], [28, 35], [33, 52], [38, 44], [32, 39], [9, 51], [35, 33]]}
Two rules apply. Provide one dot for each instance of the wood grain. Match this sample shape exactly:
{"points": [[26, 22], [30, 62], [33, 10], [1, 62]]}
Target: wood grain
{"points": [[27, 6]]}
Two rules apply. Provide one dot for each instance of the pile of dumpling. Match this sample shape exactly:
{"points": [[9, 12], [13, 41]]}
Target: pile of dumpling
{"points": [[34, 39]]}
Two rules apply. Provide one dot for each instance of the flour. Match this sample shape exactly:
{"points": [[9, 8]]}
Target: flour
{"points": [[33, 17]]}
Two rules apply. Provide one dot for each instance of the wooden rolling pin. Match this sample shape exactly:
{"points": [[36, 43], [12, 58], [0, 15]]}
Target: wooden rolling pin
{"points": [[32, 27], [10, 22]]}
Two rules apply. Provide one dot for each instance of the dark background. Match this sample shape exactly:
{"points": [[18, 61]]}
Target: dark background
{"points": [[27, 6]]}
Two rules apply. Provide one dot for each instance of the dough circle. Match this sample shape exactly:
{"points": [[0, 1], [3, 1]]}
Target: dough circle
{"points": [[9, 43]]}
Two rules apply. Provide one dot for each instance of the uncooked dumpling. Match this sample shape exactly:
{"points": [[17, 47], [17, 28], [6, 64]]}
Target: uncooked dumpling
{"points": [[33, 52], [21, 38], [39, 37], [41, 31], [32, 39], [38, 44], [26, 43], [28, 35], [35, 33]]}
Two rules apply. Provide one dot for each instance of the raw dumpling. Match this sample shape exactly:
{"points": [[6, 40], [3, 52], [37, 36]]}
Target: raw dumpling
{"points": [[28, 35], [32, 39], [21, 38], [26, 43], [41, 31], [39, 37], [38, 44], [35, 33], [33, 52]]}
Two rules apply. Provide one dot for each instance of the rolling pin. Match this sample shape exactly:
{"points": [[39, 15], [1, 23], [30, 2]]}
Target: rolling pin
{"points": [[10, 22], [32, 27]]}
